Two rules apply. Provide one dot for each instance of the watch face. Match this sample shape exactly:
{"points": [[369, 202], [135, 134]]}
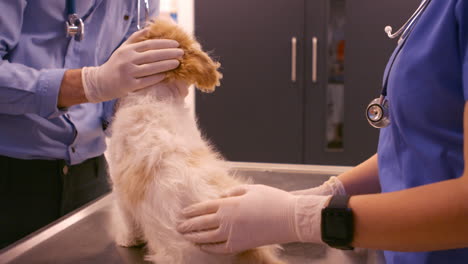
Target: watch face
{"points": [[337, 226]]}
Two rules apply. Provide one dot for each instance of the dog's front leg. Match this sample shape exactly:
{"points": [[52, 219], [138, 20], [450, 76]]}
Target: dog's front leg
{"points": [[127, 230]]}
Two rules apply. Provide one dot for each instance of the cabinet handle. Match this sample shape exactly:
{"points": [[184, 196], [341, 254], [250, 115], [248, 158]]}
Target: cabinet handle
{"points": [[314, 59], [293, 58]]}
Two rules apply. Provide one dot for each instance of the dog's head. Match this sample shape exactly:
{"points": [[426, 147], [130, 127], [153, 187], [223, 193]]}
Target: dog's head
{"points": [[196, 67]]}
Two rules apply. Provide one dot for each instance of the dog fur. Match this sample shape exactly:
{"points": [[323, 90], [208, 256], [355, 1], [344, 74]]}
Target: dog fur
{"points": [[159, 163]]}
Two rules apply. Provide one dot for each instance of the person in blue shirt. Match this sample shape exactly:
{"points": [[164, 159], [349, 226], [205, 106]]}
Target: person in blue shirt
{"points": [[410, 198], [56, 101]]}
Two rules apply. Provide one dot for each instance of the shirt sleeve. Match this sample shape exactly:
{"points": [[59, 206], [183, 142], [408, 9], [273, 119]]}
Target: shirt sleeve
{"points": [[461, 13], [24, 89]]}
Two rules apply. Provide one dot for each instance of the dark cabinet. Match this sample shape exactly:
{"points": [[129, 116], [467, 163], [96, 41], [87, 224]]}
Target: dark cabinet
{"points": [[298, 75]]}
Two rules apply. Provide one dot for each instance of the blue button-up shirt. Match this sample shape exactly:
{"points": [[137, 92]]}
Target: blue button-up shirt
{"points": [[35, 54]]}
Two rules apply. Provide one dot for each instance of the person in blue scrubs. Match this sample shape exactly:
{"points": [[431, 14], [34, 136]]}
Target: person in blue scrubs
{"points": [[52, 139], [416, 185]]}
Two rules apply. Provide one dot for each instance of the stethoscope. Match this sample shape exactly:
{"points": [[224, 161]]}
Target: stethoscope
{"points": [[377, 112], [75, 28]]}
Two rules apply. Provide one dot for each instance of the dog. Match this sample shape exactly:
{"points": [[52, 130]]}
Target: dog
{"points": [[159, 162]]}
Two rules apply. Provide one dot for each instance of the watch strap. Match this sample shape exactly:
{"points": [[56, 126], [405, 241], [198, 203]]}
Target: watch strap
{"points": [[339, 201]]}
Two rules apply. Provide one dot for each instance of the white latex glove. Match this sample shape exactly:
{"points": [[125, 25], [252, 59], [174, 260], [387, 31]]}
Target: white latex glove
{"points": [[252, 216], [134, 65], [331, 187]]}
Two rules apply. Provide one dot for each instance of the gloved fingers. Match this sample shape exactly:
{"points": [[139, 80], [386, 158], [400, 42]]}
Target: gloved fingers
{"points": [[199, 223], [208, 207], [158, 55], [155, 68], [300, 192], [153, 44], [148, 81], [204, 237], [235, 191], [136, 36]]}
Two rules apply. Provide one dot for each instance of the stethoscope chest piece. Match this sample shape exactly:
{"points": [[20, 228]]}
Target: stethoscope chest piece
{"points": [[377, 113], [74, 27]]}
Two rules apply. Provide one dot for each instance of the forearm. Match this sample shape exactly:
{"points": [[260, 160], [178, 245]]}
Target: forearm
{"points": [[71, 89], [426, 218], [363, 178]]}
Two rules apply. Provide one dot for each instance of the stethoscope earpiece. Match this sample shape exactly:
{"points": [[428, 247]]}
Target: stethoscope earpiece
{"points": [[409, 23], [377, 113]]}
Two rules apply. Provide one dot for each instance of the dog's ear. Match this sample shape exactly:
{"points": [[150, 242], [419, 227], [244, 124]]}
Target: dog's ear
{"points": [[196, 67]]}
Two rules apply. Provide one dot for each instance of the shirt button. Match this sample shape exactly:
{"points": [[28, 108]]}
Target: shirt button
{"points": [[73, 149], [126, 17], [65, 170]]}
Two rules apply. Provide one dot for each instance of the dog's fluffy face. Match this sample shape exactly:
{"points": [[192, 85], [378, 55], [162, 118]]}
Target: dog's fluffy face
{"points": [[196, 67]]}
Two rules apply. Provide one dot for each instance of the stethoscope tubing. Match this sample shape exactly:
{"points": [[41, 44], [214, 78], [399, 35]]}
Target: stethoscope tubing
{"points": [[377, 112], [409, 23], [75, 26], [146, 14], [71, 7]]}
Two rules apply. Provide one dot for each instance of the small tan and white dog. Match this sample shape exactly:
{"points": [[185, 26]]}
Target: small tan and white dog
{"points": [[159, 162]]}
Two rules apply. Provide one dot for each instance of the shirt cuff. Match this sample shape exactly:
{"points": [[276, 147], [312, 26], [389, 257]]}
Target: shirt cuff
{"points": [[48, 89]]}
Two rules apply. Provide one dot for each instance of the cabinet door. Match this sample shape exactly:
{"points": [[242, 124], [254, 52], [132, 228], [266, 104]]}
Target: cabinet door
{"points": [[337, 132], [257, 113]]}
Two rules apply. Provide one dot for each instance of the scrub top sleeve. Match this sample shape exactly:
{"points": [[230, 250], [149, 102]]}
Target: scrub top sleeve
{"points": [[24, 89], [461, 13]]}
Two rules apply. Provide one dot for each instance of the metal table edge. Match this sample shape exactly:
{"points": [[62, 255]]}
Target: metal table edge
{"points": [[10, 253]]}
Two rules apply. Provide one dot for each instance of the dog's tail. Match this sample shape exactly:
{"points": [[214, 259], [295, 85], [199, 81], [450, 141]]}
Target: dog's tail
{"points": [[261, 255]]}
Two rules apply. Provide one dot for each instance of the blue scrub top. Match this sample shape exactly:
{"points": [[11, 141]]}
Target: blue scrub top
{"points": [[427, 90]]}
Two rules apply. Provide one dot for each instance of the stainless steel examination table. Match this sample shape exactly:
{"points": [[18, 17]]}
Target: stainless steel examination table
{"points": [[85, 235]]}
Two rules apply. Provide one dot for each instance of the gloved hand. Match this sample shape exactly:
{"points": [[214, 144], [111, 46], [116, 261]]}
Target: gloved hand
{"points": [[252, 216], [331, 187], [134, 65]]}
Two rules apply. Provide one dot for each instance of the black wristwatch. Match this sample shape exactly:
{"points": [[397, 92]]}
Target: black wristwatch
{"points": [[337, 223]]}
